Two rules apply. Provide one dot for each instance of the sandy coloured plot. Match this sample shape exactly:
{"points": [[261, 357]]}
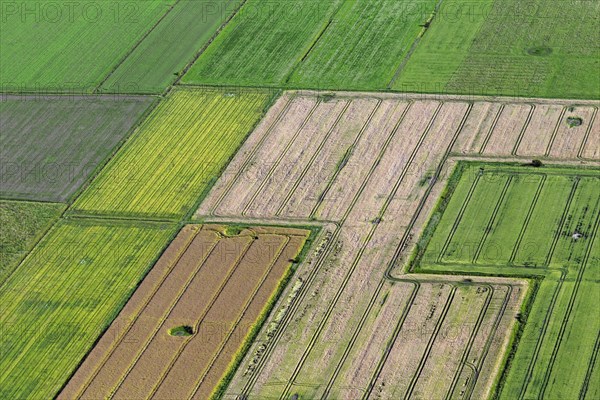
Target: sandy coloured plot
{"points": [[540, 130], [569, 139], [215, 284]]}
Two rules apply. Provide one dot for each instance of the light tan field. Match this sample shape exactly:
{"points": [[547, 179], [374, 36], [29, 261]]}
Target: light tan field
{"points": [[213, 283], [371, 168]]}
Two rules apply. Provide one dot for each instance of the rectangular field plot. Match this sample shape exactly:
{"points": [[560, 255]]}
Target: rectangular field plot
{"points": [[175, 155], [23, 223], [507, 216], [363, 45], [62, 297], [262, 43], [545, 48], [157, 61], [60, 46], [189, 319], [50, 145]]}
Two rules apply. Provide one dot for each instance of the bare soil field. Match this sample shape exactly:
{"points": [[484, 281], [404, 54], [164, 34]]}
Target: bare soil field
{"points": [[372, 172], [186, 322]]}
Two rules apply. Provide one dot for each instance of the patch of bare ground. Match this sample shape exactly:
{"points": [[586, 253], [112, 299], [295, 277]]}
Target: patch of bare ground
{"points": [[539, 132], [308, 191], [569, 138], [257, 169], [508, 129], [216, 288], [318, 136], [276, 115]]}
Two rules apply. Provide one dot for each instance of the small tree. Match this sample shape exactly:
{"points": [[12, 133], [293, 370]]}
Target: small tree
{"points": [[536, 163]]}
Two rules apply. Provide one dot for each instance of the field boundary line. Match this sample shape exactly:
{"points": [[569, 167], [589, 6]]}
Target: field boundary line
{"points": [[488, 136], [413, 47], [573, 297], [489, 341], [555, 132], [318, 151], [472, 336], [432, 339], [530, 212], [541, 337], [584, 142], [136, 45], [459, 217], [590, 369], [500, 202], [166, 315], [139, 312], [251, 298], [515, 149], [281, 156], [251, 155], [205, 46], [360, 253]]}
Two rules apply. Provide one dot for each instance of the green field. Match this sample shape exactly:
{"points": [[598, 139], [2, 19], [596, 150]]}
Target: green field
{"points": [[65, 293], [63, 46], [51, 145], [262, 43], [523, 221], [175, 155], [23, 223], [545, 48], [364, 45], [163, 54]]}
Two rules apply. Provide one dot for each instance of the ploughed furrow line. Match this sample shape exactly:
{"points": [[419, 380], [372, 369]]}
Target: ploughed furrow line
{"points": [[170, 390], [459, 217], [590, 369], [538, 345], [104, 349], [515, 148], [417, 374], [252, 153], [491, 130], [563, 221], [469, 346], [586, 140], [363, 248], [127, 376], [570, 305], [534, 202], [493, 219], [277, 162], [318, 152], [555, 132]]}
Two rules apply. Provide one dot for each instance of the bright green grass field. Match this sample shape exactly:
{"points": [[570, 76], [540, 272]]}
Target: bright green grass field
{"points": [[521, 221], [50, 45], [544, 48], [22, 224], [163, 54], [262, 43], [364, 45], [176, 154], [62, 297]]}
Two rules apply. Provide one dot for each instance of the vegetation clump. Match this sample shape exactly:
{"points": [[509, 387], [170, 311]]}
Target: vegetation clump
{"points": [[574, 121], [184, 330]]}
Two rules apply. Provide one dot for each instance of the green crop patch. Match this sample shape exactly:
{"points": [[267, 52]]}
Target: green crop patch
{"points": [[523, 221], [364, 44], [51, 145], [66, 46], [508, 47], [169, 47], [64, 295], [23, 223], [176, 154], [262, 43]]}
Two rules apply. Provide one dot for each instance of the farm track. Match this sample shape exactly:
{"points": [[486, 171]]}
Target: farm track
{"points": [[358, 257], [515, 148], [588, 375], [585, 143]]}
